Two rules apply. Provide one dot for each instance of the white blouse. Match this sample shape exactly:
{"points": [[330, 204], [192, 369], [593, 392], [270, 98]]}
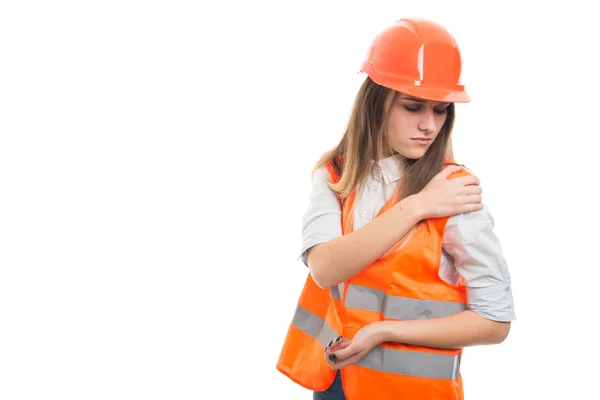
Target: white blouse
{"points": [[469, 247]]}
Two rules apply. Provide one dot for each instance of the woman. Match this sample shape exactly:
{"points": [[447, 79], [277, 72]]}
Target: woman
{"points": [[405, 270]]}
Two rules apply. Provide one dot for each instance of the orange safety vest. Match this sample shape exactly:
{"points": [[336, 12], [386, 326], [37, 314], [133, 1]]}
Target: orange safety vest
{"points": [[403, 284]]}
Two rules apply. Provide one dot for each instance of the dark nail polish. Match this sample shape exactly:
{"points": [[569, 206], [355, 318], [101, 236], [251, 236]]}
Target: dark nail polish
{"points": [[329, 344], [332, 357], [338, 339]]}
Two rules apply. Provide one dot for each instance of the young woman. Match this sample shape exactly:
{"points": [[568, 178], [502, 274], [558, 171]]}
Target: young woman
{"points": [[404, 268]]}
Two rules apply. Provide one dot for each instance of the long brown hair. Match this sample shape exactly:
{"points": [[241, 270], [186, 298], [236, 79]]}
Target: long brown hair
{"points": [[365, 140]]}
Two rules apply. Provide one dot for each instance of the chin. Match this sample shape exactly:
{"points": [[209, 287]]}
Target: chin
{"points": [[413, 155]]}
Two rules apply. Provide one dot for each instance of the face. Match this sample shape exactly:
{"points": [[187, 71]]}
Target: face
{"points": [[414, 124]]}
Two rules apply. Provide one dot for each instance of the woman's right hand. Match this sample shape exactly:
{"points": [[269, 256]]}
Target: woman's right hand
{"points": [[443, 197]]}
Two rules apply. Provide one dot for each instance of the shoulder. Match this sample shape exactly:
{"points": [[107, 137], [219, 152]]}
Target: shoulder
{"points": [[322, 174], [463, 172], [483, 217], [320, 191]]}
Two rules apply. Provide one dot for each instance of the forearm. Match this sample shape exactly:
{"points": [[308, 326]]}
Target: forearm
{"points": [[460, 330], [342, 258]]}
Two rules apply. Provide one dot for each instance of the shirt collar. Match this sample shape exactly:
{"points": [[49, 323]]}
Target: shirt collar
{"points": [[390, 168]]}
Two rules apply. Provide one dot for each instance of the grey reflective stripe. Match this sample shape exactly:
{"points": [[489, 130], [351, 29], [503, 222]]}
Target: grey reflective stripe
{"points": [[398, 307], [314, 326], [425, 365], [334, 292]]}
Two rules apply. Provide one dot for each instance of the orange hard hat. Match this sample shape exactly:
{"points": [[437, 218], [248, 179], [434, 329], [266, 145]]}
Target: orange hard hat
{"points": [[417, 57]]}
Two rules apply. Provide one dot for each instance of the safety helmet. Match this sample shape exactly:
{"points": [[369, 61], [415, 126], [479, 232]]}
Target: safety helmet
{"points": [[417, 57]]}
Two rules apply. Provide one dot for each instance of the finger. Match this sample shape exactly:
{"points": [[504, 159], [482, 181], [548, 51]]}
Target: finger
{"points": [[348, 351], [467, 180], [335, 347], [467, 208], [334, 342], [330, 343], [355, 358], [473, 199], [473, 190], [446, 172], [330, 363]]}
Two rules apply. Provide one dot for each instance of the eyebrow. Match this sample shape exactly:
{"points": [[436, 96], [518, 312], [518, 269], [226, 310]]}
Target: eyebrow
{"points": [[422, 101]]}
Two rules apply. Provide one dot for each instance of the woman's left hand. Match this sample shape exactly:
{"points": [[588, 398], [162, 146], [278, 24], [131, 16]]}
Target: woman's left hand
{"points": [[347, 353]]}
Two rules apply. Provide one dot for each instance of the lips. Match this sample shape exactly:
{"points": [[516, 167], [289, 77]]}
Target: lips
{"points": [[421, 140]]}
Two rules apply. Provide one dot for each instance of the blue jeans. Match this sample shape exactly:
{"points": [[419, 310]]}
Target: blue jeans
{"points": [[335, 391]]}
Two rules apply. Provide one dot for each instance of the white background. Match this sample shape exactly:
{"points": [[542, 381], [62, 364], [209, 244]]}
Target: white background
{"points": [[155, 163]]}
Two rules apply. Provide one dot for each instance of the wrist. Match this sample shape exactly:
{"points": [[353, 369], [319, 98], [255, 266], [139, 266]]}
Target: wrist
{"points": [[412, 209], [385, 331]]}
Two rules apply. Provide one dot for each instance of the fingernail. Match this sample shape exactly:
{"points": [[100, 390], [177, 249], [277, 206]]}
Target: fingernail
{"points": [[332, 357], [329, 344], [338, 339]]}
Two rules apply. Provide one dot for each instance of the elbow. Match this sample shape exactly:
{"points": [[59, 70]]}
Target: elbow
{"points": [[322, 279], [492, 326], [490, 331], [500, 332], [318, 265], [322, 283]]}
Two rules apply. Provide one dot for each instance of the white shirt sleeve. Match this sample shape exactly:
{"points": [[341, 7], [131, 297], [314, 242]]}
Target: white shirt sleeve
{"points": [[476, 253], [322, 220]]}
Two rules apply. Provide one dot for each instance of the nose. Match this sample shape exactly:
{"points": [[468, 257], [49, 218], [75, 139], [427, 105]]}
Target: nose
{"points": [[427, 122]]}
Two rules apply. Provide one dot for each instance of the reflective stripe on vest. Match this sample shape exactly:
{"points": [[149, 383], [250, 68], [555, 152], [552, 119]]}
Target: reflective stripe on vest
{"points": [[314, 326], [412, 363], [399, 307], [334, 292]]}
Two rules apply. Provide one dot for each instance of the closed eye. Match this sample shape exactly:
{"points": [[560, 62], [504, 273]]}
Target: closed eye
{"points": [[419, 108]]}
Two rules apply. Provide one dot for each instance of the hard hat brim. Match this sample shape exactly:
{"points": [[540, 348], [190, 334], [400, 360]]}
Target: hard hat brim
{"points": [[416, 89]]}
